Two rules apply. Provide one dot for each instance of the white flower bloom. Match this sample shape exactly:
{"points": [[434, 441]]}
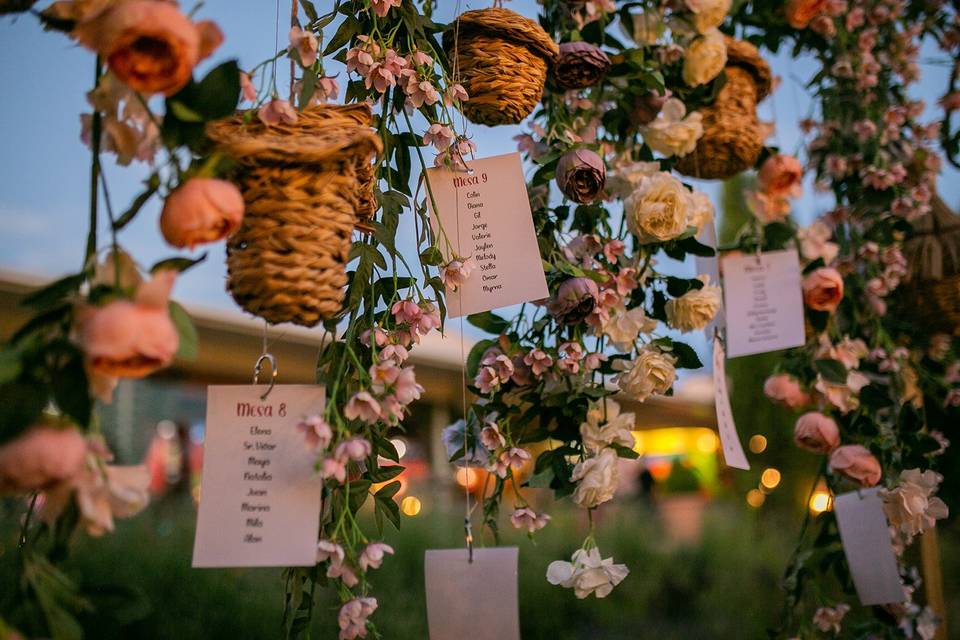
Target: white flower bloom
{"points": [[587, 574], [702, 212], [708, 14], [659, 209], [815, 242], [596, 479], [651, 373], [695, 309], [911, 505], [623, 327], [606, 425], [705, 58], [673, 132]]}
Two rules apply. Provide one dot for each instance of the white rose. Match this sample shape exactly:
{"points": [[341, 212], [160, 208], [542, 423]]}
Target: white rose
{"points": [[651, 373], [704, 59], [587, 574], [605, 425], [708, 14], [815, 242], [702, 212], [624, 326], [658, 210], [596, 479], [911, 505], [673, 132], [695, 309]]}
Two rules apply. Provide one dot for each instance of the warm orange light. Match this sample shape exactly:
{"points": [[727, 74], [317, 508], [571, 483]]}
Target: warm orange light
{"points": [[820, 501], [755, 498], [468, 478], [410, 506], [770, 478], [758, 443], [707, 442], [660, 469]]}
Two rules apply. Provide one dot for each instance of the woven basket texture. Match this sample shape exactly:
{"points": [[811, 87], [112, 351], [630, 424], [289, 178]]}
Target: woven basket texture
{"points": [[305, 186], [931, 293], [732, 136], [502, 59]]}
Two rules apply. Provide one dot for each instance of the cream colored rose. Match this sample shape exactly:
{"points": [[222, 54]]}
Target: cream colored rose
{"points": [[651, 373], [606, 425], [695, 309], [628, 175], [708, 14], [658, 210], [623, 327], [587, 573], [702, 212], [596, 479], [673, 132], [911, 505], [704, 59]]}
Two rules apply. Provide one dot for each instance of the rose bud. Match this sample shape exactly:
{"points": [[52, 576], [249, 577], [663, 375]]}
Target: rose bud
{"points": [[647, 107], [855, 462], [201, 210], [41, 456], [131, 338], [574, 301], [581, 175], [580, 65], [823, 289], [816, 432]]}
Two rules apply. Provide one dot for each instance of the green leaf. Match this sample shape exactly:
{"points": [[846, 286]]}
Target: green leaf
{"points": [[177, 263], [216, 96], [22, 404], [687, 358], [831, 370], [183, 112], [389, 509], [10, 366], [385, 448], [390, 489], [489, 322], [359, 490], [431, 256], [127, 216], [347, 30], [382, 474], [71, 389], [692, 245], [476, 353], [186, 330], [54, 292]]}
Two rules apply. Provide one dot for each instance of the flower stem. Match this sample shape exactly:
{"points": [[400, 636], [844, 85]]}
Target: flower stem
{"points": [[95, 127]]}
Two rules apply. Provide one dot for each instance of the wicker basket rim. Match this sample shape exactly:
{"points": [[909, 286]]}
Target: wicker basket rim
{"points": [[741, 53], [505, 24], [318, 135]]}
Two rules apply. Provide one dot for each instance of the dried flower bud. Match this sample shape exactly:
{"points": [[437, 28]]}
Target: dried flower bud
{"points": [[581, 65], [581, 175], [574, 301], [647, 107]]}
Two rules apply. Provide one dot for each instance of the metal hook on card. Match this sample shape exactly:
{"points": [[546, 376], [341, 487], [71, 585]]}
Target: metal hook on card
{"points": [[274, 372], [468, 530]]}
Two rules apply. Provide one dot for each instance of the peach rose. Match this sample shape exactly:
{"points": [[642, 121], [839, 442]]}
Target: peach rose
{"points": [[786, 389], [41, 456], [151, 46], [823, 289], [855, 462], [201, 210], [131, 338], [801, 12], [816, 432], [781, 176]]}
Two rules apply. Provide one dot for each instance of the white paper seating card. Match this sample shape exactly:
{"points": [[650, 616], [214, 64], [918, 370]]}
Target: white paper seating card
{"points": [[259, 492], [763, 302], [866, 542], [729, 439], [472, 601], [486, 215]]}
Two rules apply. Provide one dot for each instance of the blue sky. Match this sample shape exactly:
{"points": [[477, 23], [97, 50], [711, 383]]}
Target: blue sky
{"points": [[44, 167]]}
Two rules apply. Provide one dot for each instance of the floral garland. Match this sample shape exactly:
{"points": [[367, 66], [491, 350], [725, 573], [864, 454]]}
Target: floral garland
{"points": [[877, 390]]}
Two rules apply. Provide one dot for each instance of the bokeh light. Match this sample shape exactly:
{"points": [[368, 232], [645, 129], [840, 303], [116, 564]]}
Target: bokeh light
{"points": [[410, 506], [770, 478], [755, 498], [758, 443]]}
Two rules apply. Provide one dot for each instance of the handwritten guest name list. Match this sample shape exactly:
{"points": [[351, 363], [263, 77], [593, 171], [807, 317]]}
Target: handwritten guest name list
{"points": [[485, 215], [259, 491], [762, 302]]}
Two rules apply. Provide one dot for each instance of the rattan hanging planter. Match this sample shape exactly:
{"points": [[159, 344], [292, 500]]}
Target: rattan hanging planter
{"points": [[305, 186], [931, 293], [502, 60], [732, 136]]}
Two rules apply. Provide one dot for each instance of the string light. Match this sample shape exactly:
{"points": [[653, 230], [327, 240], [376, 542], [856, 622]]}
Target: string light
{"points": [[770, 478], [410, 506], [755, 498], [758, 443], [820, 501]]}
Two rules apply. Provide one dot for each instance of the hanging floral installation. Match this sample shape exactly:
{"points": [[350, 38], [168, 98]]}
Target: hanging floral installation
{"points": [[620, 102]]}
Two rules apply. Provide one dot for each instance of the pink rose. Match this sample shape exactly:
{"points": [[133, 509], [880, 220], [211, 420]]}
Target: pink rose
{"points": [[816, 432], [131, 338], [855, 462], [41, 456], [201, 210], [823, 289], [781, 176], [786, 389], [151, 46]]}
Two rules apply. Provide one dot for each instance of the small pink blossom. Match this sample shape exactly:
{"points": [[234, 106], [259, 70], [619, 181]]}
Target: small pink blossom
{"points": [[363, 406], [525, 518], [538, 361], [487, 380], [439, 135], [340, 569], [277, 111], [333, 468], [372, 555], [382, 7], [613, 249], [455, 93], [421, 92], [247, 90], [355, 448], [406, 311], [407, 390], [383, 374], [306, 45], [420, 59], [396, 352], [327, 550], [391, 410], [491, 438], [593, 361], [455, 273], [317, 433], [502, 364], [512, 457], [380, 337], [353, 615], [786, 389]]}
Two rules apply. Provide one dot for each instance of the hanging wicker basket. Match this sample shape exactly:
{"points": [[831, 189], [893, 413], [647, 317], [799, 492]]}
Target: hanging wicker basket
{"points": [[305, 186], [732, 136], [931, 293], [502, 59]]}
